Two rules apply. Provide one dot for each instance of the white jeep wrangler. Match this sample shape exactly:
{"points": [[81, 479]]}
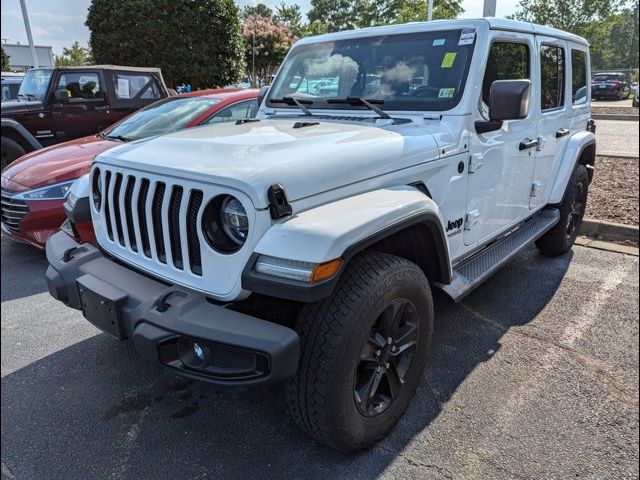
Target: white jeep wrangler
{"points": [[303, 246]]}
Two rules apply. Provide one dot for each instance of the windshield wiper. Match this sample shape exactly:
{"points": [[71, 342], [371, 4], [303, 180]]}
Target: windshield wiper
{"points": [[122, 138], [357, 101], [294, 101]]}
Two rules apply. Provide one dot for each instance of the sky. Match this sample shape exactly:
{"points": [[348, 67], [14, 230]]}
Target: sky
{"points": [[60, 23]]}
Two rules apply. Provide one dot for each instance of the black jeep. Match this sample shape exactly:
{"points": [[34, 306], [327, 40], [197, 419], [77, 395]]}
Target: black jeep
{"points": [[63, 103]]}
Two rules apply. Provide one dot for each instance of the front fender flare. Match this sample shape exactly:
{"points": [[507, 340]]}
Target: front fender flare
{"points": [[26, 139], [343, 229]]}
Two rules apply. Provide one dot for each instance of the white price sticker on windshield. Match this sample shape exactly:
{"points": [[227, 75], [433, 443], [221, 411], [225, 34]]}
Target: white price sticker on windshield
{"points": [[467, 36]]}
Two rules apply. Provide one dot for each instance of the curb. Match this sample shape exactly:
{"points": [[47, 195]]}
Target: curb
{"points": [[609, 231], [614, 116], [616, 156]]}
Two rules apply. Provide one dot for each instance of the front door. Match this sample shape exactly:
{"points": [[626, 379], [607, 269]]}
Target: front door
{"points": [[501, 167], [554, 124], [76, 117]]}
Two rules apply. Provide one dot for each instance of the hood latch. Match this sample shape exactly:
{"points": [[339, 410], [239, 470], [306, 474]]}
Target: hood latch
{"points": [[278, 204]]}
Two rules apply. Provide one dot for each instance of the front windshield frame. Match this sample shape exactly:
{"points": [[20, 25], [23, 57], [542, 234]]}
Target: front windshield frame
{"points": [[32, 87], [442, 42], [123, 129]]}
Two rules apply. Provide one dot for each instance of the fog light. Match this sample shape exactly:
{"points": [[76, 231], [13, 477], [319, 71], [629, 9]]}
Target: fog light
{"points": [[197, 350]]}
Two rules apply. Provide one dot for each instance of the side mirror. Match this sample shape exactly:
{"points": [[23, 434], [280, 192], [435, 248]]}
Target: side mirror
{"points": [[61, 95], [509, 99], [262, 94]]}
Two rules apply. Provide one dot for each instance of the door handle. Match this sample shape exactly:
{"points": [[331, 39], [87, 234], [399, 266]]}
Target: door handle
{"points": [[563, 132], [103, 107], [529, 143]]}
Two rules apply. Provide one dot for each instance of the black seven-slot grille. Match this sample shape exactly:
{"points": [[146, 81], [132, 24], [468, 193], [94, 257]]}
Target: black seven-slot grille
{"points": [[13, 211], [149, 218]]}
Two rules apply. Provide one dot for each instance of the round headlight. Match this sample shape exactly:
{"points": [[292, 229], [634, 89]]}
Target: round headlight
{"points": [[96, 189], [225, 224]]}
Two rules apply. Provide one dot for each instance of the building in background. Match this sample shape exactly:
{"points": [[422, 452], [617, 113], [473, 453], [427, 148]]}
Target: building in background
{"points": [[20, 56]]}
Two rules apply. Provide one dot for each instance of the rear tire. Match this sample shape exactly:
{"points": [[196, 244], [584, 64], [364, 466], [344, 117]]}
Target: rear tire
{"points": [[353, 384], [10, 150], [562, 236]]}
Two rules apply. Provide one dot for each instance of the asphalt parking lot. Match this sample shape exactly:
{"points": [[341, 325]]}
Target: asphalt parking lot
{"points": [[535, 375], [617, 138]]}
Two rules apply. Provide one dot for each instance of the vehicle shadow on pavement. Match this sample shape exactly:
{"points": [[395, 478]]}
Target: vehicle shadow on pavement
{"points": [[96, 410], [23, 268]]}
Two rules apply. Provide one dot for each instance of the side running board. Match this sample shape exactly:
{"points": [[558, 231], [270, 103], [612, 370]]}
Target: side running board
{"points": [[471, 272]]}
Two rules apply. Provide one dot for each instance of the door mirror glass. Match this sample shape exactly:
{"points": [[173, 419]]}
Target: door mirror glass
{"points": [[61, 95], [509, 99]]}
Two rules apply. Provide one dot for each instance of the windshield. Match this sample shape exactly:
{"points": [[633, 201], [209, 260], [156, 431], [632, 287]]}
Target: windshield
{"points": [[35, 84], [423, 71], [162, 117]]}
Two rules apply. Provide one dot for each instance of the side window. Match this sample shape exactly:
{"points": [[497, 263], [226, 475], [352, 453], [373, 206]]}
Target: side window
{"points": [[237, 111], [135, 85], [578, 77], [507, 61], [6, 93], [552, 77], [81, 86]]}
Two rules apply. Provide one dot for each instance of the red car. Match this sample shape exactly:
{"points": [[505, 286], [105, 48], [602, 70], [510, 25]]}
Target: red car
{"points": [[35, 186]]}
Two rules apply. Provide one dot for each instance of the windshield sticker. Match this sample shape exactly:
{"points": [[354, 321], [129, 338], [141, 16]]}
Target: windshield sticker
{"points": [[467, 36], [438, 42], [449, 58], [446, 92]]}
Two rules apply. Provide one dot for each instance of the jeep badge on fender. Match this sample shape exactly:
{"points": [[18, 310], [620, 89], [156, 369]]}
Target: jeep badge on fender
{"points": [[304, 247]]}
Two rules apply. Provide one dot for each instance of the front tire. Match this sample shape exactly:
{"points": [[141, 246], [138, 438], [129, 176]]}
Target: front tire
{"points": [[10, 150], [363, 351], [562, 236]]}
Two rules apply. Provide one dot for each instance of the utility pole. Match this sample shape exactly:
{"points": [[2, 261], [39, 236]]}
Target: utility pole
{"points": [[34, 56], [489, 9], [430, 11]]}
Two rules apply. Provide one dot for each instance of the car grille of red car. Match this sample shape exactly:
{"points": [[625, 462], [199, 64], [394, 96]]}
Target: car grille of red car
{"points": [[13, 211]]}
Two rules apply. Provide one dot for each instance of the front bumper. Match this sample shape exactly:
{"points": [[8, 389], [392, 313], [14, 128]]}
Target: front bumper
{"points": [[40, 220], [165, 321]]}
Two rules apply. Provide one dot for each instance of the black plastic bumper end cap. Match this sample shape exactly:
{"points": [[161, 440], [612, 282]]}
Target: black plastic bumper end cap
{"points": [[56, 285]]}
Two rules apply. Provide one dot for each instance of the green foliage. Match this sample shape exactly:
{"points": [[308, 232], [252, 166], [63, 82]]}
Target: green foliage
{"points": [[336, 15], [5, 61], [610, 26], [73, 56], [260, 10], [292, 17], [195, 41]]}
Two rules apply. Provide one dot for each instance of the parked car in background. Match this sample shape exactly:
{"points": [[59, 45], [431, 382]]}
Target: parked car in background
{"points": [[35, 186], [636, 93], [59, 104], [610, 85], [11, 85]]}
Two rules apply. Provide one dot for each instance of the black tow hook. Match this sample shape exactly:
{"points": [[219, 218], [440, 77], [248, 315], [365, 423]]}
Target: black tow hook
{"points": [[163, 305], [68, 254]]}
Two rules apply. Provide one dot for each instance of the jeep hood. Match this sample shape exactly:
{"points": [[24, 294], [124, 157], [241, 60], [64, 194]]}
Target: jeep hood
{"points": [[306, 160], [13, 107]]}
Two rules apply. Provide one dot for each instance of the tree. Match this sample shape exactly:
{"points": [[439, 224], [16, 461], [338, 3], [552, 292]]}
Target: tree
{"points": [[610, 26], [5, 61], [336, 15], [197, 41], [260, 10], [73, 56], [292, 17], [267, 42]]}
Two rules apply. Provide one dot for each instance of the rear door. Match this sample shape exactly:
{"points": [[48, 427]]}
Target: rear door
{"points": [[552, 110], [500, 171], [77, 117]]}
